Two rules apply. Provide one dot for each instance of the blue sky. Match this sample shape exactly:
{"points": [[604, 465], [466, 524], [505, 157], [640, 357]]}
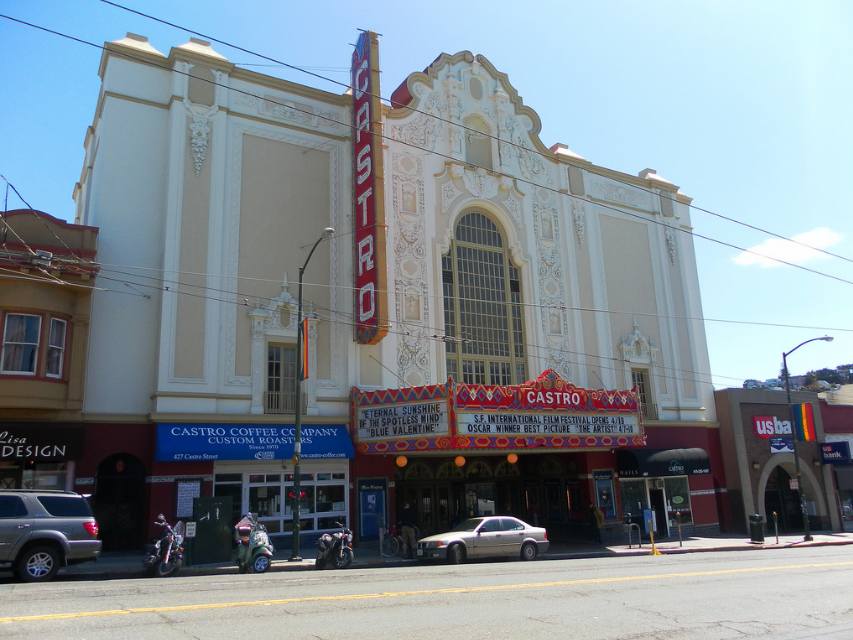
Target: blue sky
{"points": [[745, 105]]}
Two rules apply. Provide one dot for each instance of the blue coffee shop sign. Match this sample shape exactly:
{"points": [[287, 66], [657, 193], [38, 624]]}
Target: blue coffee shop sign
{"points": [[200, 442]]}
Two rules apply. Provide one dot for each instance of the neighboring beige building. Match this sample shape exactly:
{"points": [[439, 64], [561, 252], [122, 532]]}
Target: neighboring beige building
{"points": [[505, 258], [47, 272]]}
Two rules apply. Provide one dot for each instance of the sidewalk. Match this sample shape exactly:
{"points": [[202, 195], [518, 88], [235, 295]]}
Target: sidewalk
{"points": [[120, 565]]}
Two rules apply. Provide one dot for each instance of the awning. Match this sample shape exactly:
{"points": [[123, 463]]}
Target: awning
{"points": [[212, 441], [844, 475], [656, 463]]}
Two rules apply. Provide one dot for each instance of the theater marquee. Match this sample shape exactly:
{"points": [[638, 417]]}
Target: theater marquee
{"points": [[547, 412]]}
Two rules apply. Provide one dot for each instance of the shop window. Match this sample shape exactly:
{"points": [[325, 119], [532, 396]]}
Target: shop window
{"points": [[45, 475], [21, 343], [604, 497], [678, 500], [265, 502], [281, 379], [482, 306], [634, 498], [330, 499], [56, 348], [230, 484]]}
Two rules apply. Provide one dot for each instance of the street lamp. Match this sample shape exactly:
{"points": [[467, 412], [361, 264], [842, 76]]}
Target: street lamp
{"points": [[297, 436], [800, 492]]}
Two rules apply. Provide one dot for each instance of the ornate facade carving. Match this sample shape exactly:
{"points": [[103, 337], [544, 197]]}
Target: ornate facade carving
{"points": [[669, 237], [579, 218], [412, 291], [621, 194], [553, 313], [638, 349], [280, 108]]}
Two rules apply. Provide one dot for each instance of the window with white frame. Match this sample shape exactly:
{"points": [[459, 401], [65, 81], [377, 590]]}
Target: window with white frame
{"points": [[482, 306], [281, 378], [20, 343], [640, 381], [56, 348]]}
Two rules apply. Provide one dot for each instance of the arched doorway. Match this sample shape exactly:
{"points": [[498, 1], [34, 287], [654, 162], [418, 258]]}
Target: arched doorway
{"points": [[780, 498], [119, 501]]}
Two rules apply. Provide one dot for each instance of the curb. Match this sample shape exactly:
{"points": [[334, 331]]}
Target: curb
{"points": [[131, 568]]}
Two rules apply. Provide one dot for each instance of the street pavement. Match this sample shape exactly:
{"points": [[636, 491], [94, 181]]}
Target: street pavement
{"points": [[367, 555]]}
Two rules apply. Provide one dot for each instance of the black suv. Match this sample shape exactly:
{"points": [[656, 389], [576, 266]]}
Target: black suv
{"points": [[41, 530]]}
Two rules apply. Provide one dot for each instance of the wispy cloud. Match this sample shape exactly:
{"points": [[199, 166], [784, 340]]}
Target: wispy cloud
{"points": [[770, 252]]}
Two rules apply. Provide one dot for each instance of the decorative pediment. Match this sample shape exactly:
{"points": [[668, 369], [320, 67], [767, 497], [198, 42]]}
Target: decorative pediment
{"points": [[638, 348]]}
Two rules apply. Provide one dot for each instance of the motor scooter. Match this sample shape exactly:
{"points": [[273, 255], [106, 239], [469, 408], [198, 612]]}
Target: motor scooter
{"points": [[335, 548], [166, 556], [254, 549]]}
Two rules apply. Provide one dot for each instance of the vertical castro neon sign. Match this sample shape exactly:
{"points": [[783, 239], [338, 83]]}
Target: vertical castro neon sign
{"points": [[370, 268]]}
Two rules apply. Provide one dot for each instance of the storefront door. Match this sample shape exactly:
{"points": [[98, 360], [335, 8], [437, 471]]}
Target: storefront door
{"points": [[656, 498]]}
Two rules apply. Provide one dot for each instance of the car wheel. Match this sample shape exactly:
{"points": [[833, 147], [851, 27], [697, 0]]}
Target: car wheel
{"points": [[38, 564], [529, 551], [456, 554]]}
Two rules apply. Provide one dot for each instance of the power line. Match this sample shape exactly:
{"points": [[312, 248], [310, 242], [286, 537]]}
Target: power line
{"points": [[458, 125], [533, 184], [519, 179]]}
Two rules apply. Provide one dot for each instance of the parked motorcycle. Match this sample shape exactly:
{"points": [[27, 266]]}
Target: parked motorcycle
{"points": [[335, 548], [166, 556], [254, 549]]}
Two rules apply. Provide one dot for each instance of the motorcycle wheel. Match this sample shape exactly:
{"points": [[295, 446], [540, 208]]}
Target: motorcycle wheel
{"points": [[321, 562], [343, 558], [261, 564], [242, 568], [166, 569]]}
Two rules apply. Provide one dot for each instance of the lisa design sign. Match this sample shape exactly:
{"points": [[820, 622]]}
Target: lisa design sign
{"points": [[547, 412]]}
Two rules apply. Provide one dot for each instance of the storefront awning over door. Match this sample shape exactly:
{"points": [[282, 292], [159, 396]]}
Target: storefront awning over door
{"points": [[656, 463], [844, 475]]}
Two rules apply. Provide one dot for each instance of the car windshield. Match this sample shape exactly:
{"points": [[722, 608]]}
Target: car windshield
{"points": [[468, 525]]}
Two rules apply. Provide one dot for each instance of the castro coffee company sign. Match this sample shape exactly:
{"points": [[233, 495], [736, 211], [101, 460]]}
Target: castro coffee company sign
{"points": [[370, 276]]}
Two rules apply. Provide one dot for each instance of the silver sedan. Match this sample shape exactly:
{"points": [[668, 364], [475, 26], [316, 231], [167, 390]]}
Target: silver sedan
{"points": [[486, 536]]}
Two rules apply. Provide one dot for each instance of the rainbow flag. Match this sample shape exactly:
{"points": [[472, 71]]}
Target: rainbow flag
{"points": [[803, 422], [303, 375]]}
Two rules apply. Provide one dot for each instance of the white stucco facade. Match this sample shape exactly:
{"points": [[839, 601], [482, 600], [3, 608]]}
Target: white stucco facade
{"points": [[210, 183]]}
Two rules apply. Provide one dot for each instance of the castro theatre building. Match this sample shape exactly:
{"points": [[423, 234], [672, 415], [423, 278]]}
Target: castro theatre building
{"points": [[496, 325]]}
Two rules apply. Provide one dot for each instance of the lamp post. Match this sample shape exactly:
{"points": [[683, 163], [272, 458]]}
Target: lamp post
{"points": [[800, 492], [297, 405]]}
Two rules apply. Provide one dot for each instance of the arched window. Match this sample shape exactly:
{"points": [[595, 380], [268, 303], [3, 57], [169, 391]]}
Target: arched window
{"points": [[482, 306]]}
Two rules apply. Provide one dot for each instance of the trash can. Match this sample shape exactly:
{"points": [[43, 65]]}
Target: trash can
{"points": [[756, 528]]}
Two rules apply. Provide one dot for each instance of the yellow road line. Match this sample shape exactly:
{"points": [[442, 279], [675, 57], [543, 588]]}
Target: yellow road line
{"points": [[402, 594]]}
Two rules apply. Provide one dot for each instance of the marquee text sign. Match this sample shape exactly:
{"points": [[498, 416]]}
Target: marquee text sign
{"points": [[370, 268], [547, 412], [403, 421], [545, 407]]}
